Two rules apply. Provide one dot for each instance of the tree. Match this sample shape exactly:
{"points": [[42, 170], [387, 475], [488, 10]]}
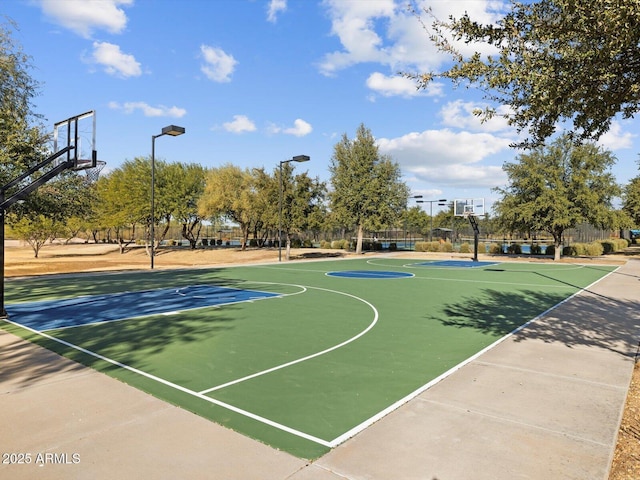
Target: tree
{"points": [[555, 188], [302, 203], [631, 200], [124, 197], [181, 187], [230, 191], [367, 188], [416, 219], [34, 229], [555, 60], [22, 143]]}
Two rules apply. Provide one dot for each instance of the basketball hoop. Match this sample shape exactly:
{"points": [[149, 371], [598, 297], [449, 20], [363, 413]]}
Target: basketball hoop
{"points": [[94, 173]]}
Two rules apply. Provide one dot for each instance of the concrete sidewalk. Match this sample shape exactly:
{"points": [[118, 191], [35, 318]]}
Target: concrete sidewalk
{"points": [[545, 403]]}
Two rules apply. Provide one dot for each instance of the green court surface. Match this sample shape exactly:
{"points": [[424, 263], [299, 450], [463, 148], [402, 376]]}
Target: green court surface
{"points": [[314, 363]]}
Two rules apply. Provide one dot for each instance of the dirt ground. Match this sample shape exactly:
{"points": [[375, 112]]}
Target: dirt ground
{"points": [[58, 258]]}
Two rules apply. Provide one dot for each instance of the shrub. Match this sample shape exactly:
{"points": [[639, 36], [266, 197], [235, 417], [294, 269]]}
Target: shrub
{"points": [[495, 248], [595, 249], [205, 242], [296, 243], [446, 247], [393, 246], [551, 250], [421, 246], [433, 246], [340, 244], [307, 244], [618, 244], [536, 250], [253, 242], [572, 250], [608, 246], [514, 248], [465, 248], [218, 242], [325, 244]]}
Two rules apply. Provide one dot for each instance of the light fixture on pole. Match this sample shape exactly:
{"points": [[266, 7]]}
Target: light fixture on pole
{"points": [[431, 202], [174, 131], [297, 158]]}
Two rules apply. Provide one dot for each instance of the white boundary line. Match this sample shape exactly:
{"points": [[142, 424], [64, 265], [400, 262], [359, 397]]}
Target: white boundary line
{"points": [[178, 387], [308, 357], [367, 423], [202, 394]]}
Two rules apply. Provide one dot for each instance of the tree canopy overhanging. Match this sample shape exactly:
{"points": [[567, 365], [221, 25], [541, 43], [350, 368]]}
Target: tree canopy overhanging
{"points": [[555, 61]]}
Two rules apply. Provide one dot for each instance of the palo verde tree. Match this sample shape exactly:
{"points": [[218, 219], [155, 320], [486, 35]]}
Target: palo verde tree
{"points": [[368, 191], [557, 187], [554, 61]]}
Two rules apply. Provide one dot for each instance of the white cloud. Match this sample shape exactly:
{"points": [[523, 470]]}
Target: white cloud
{"points": [[353, 24], [114, 61], [616, 138], [397, 85], [218, 65], [275, 7], [448, 158], [85, 16], [239, 124], [148, 110], [386, 32], [300, 128], [461, 114]]}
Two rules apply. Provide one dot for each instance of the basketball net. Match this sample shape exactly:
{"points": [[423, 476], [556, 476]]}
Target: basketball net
{"points": [[94, 173]]}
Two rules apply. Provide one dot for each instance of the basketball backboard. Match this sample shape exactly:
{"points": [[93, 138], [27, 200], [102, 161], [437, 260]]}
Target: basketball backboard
{"points": [[78, 132], [469, 206]]}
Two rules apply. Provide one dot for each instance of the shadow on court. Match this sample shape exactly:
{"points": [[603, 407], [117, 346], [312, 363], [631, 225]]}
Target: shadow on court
{"points": [[129, 341], [591, 320], [23, 367], [75, 285]]}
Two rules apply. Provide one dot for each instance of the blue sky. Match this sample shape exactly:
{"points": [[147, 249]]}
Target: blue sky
{"points": [[255, 82]]}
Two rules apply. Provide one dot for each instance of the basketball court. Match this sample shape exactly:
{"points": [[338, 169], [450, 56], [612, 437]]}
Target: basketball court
{"points": [[497, 413], [301, 356]]}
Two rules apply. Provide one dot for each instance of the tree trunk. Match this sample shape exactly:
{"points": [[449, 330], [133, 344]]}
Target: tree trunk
{"points": [[557, 240], [359, 240], [245, 236]]}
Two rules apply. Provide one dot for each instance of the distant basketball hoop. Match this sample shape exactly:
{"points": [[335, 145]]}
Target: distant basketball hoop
{"points": [[469, 207]]}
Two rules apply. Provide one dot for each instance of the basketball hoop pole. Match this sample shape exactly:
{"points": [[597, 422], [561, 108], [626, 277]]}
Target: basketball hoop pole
{"points": [[476, 233], [3, 312], [23, 192]]}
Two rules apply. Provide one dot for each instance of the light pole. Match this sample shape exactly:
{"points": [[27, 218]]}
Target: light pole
{"points": [[174, 131], [431, 202], [297, 158]]}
